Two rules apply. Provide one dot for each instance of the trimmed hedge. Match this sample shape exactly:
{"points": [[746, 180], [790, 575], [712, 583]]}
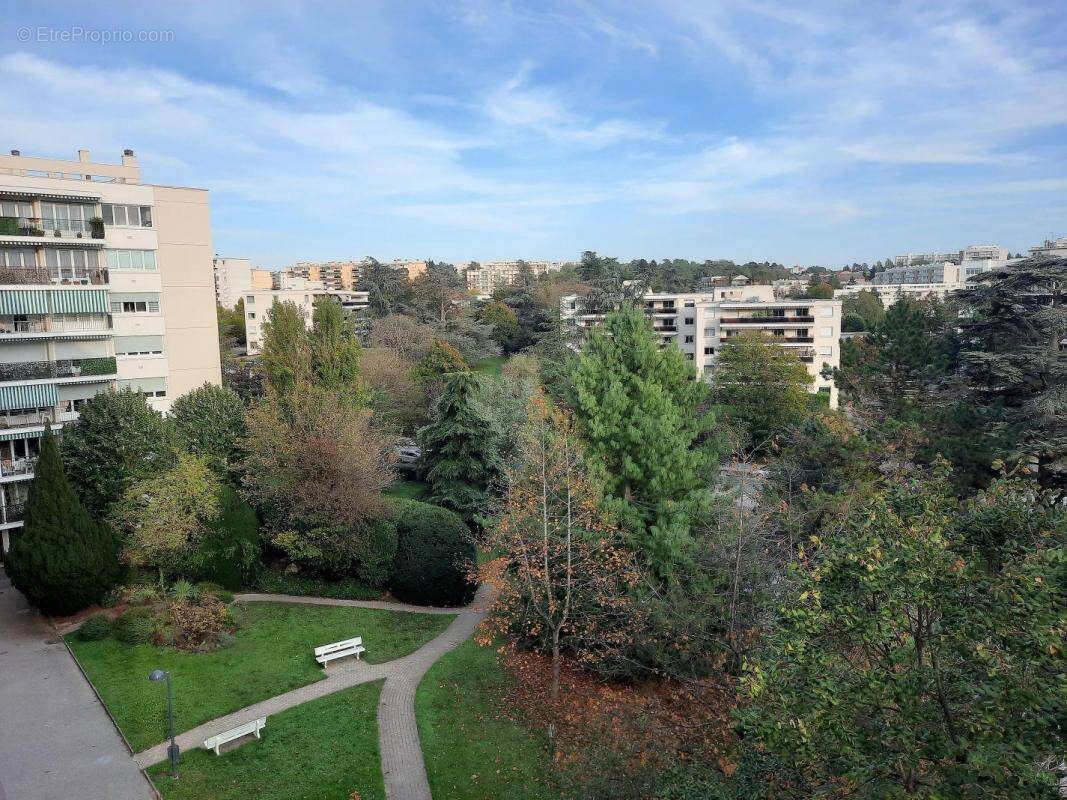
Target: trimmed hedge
{"points": [[95, 628], [435, 550], [376, 551]]}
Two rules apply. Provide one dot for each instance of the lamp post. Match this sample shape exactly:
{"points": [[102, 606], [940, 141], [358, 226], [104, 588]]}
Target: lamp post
{"points": [[172, 751]]}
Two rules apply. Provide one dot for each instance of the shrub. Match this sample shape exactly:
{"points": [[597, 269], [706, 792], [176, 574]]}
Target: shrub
{"points": [[95, 628], [232, 549], [185, 592], [206, 587], [434, 552], [375, 551], [326, 552], [277, 582], [136, 626], [197, 625]]}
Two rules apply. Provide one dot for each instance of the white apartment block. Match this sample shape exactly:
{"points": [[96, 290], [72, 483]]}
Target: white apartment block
{"points": [[234, 277], [105, 282], [700, 323], [933, 279], [1050, 248], [258, 303], [486, 278]]}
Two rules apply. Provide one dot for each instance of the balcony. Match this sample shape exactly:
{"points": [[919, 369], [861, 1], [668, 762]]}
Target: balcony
{"points": [[12, 513], [68, 368], [17, 467], [65, 276], [42, 327], [43, 417], [765, 320], [43, 227]]}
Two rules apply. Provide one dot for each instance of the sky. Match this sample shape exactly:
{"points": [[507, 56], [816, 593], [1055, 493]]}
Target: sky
{"points": [[803, 133]]}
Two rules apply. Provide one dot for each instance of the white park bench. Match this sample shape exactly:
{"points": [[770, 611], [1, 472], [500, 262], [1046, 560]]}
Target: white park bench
{"points": [[349, 647], [248, 728]]}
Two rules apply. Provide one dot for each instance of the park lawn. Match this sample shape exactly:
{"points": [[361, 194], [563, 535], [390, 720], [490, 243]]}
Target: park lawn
{"points": [[322, 750], [491, 366], [271, 655], [471, 751]]}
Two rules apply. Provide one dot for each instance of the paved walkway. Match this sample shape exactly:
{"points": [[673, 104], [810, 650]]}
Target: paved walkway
{"points": [[398, 736], [56, 740]]}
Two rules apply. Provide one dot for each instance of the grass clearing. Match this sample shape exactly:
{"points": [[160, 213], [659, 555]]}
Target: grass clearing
{"points": [[408, 490], [491, 365], [271, 655], [321, 750], [472, 752]]}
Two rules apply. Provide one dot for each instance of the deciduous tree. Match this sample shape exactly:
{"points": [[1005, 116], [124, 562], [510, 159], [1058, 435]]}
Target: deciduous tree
{"points": [[210, 423]]}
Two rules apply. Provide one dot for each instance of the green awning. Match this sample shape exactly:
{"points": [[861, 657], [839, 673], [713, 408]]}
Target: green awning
{"points": [[25, 433], [23, 301], [40, 395], [74, 301]]}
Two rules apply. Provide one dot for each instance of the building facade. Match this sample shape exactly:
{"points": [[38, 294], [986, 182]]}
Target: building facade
{"points": [[700, 323], [235, 276], [484, 279], [105, 282], [303, 296], [936, 280], [1050, 248]]}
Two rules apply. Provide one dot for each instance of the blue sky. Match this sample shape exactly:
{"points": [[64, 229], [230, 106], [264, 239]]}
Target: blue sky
{"points": [[822, 132]]}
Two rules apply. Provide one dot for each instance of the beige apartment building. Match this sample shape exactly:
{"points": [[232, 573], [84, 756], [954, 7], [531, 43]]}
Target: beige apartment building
{"points": [[700, 323], [302, 293], [105, 282], [486, 278], [235, 276]]}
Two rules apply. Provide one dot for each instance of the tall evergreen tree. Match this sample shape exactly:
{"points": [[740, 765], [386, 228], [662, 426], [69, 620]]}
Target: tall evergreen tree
{"points": [[63, 560], [335, 348], [460, 448], [286, 353], [646, 420]]}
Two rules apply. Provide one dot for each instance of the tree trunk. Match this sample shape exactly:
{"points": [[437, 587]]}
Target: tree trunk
{"points": [[554, 690]]}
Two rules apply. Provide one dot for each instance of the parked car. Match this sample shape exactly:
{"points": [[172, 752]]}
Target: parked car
{"points": [[407, 452]]}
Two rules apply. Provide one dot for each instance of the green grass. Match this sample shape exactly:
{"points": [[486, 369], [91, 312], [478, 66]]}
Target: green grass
{"points": [[408, 490], [491, 366], [471, 752], [321, 750], [271, 655]]}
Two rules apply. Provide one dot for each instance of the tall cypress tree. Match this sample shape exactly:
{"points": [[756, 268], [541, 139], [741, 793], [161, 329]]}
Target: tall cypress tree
{"points": [[460, 449], [63, 560]]}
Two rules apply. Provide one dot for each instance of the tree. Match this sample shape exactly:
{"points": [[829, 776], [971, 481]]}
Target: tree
{"points": [[907, 662], [820, 291], [388, 289], [564, 581], [504, 321], [118, 439], [762, 386], [1013, 354], [647, 424], [314, 460], [406, 337], [440, 293], [62, 560], [395, 395], [867, 305], [335, 348], [210, 423], [166, 517], [472, 339], [286, 353], [460, 448], [442, 360]]}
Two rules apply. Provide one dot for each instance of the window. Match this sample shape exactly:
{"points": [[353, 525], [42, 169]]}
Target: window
{"points": [[688, 339], [689, 356], [135, 307], [709, 351], [131, 259], [251, 314], [127, 216], [690, 304], [826, 331], [65, 217], [827, 311], [689, 320], [20, 257], [826, 351], [13, 209], [250, 299]]}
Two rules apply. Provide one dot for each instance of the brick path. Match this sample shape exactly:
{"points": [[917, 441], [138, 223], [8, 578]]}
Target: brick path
{"points": [[398, 736]]}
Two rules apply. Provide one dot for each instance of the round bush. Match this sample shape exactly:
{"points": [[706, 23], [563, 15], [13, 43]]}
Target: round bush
{"points": [[95, 628], [434, 552], [136, 626], [376, 551]]}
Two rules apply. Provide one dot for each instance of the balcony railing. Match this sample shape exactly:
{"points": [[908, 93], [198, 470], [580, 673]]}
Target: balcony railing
{"points": [[33, 418], [44, 226], [69, 368], [764, 320], [59, 276], [12, 513], [665, 329], [55, 326], [17, 466]]}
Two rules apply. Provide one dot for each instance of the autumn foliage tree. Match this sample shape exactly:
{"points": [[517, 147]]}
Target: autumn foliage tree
{"points": [[565, 582]]}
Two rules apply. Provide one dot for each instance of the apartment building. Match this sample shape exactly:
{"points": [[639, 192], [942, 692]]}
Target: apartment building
{"points": [[105, 282], [236, 276], [303, 295], [484, 279], [700, 323], [413, 269], [1050, 248], [334, 275]]}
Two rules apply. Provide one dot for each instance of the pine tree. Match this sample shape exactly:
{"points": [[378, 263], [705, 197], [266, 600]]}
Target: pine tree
{"points": [[646, 420], [63, 560], [460, 449]]}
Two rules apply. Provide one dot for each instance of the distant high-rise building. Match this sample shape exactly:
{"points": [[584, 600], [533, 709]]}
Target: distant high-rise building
{"points": [[492, 275], [235, 276]]}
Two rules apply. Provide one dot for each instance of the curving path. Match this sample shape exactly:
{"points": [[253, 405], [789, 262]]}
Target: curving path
{"points": [[403, 767]]}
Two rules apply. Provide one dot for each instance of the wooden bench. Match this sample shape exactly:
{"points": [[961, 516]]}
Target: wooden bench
{"points": [[349, 647], [248, 728]]}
